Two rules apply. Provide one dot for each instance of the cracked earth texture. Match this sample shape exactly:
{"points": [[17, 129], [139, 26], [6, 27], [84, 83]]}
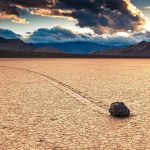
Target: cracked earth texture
{"points": [[62, 104]]}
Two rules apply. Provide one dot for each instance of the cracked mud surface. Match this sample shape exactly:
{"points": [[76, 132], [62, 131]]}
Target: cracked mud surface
{"points": [[61, 104]]}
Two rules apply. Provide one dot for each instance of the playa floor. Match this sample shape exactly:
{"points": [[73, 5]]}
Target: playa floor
{"points": [[62, 104]]}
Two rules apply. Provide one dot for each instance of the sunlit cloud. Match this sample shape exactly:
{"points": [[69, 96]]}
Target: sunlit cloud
{"points": [[147, 25], [148, 7], [102, 16], [137, 13], [13, 18], [60, 35], [50, 13]]}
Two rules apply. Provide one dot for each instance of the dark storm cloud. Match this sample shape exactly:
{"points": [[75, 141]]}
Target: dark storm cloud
{"points": [[9, 34], [103, 16], [12, 6], [6, 7], [13, 9]]}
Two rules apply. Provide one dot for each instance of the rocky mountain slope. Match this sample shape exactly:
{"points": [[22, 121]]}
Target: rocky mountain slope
{"points": [[15, 45], [18, 48], [141, 49], [76, 47]]}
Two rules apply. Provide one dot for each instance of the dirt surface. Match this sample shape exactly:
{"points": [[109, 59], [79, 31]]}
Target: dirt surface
{"points": [[62, 104]]}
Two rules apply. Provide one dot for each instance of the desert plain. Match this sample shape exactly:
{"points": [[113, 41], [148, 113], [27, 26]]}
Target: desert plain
{"points": [[62, 104]]}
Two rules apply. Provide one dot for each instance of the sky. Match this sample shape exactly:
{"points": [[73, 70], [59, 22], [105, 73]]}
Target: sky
{"points": [[113, 22]]}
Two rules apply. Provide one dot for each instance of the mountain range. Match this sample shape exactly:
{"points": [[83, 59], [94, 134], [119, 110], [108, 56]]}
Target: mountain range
{"points": [[141, 49], [15, 45], [18, 48], [77, 47]]}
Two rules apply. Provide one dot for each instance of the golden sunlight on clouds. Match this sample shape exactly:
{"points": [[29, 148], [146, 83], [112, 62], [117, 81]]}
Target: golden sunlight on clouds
{"points": [[41, 12], [133, 9], [148, 7], [13, 18], [20, 21], [136, 12], [50, 13], [147, 25], [105, 17]]}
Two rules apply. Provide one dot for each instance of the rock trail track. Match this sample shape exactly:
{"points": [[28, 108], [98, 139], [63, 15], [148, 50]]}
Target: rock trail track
{"points": [[67, 89]]}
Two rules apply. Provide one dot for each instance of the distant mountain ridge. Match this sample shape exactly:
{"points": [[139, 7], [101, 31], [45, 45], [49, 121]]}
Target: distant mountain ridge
{"points": [[67, 47], [18, 48], [77, 47], [17, 45], [141, 49]]}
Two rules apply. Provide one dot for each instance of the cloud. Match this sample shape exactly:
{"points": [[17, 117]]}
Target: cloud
{"points": [[148, 7], [9, 34], [59, 35], [14, 18], [12, 12], [103, 16], [56, 34]]}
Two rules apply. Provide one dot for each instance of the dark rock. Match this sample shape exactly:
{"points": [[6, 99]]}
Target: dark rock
{"points": [[118, 109]]}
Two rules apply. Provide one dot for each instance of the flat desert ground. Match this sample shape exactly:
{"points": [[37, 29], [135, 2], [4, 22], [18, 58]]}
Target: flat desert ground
{"points": [[62, 104]]}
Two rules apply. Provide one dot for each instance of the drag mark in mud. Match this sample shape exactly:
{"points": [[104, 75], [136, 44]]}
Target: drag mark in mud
{"points": [[67, 89]]}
